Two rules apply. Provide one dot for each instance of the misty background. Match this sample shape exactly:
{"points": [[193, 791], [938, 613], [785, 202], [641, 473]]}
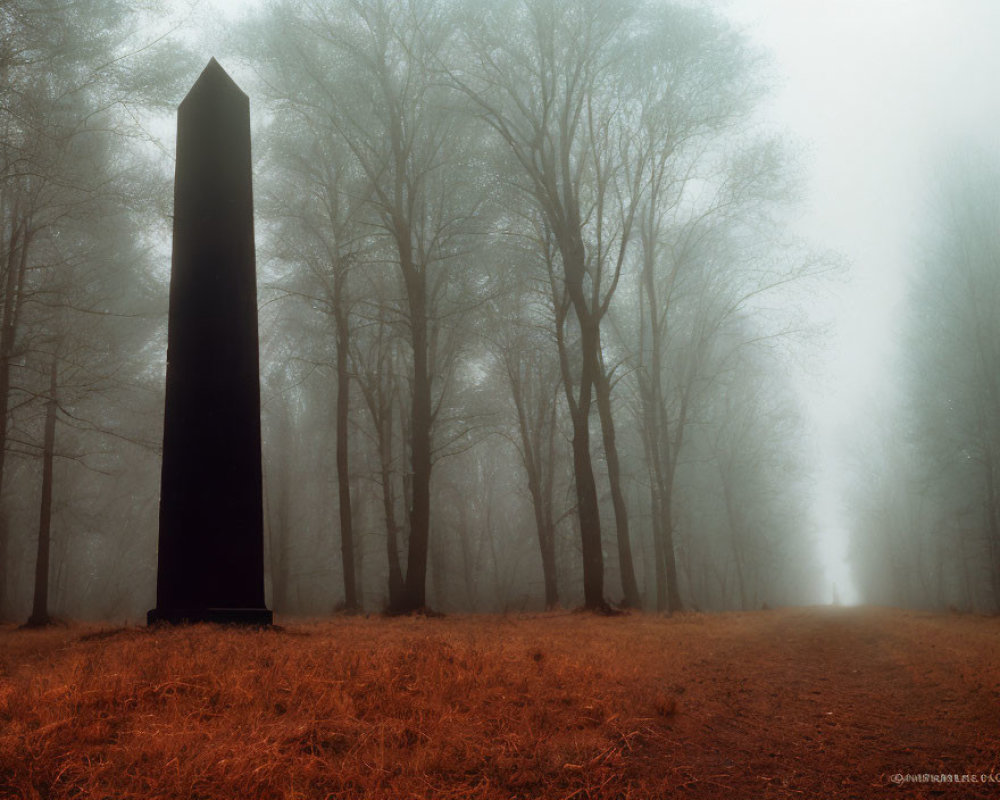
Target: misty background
{"points": [[758, 238]]}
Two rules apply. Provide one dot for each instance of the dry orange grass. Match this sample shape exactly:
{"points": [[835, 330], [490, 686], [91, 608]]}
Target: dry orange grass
{"points": [[551, 706], [460, 707]]}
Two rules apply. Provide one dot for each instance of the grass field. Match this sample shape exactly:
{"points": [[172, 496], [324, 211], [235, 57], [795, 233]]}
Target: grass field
{"points": [[808, 703]]}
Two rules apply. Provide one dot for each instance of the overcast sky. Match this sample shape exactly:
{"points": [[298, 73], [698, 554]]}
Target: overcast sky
{"points": [[877, 93]]}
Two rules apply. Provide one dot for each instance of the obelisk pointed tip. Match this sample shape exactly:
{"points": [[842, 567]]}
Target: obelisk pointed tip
{"points": [[213, 79], [214, 66]]}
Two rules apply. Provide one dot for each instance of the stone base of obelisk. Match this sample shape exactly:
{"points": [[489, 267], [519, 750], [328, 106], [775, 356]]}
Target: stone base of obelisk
{"points": [[252, 617]]}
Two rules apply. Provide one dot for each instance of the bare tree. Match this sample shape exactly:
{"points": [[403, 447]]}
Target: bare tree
{"points": [[65, 72], [364, 72], [545, 78], [534, 381], [318, 204], [603, 106], [378, 374], [40, 603]]}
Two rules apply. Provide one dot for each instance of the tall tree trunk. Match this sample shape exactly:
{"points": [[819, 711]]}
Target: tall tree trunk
{"points": [[438, 569], [545, 530], [660, 563], [547, 535], [654, 469], [13, 296], [669, 554], [378, 389], [626, 567], [588, 512], [469, 572], [389, 510], [39, 610], [586, 486], [360, 551], [270, 538], [735, 539], [13, 300], [549, 572], [660, 454], [538, 470], [343, 471], [415, 594], [278, 518], [278, 483], [403, 409]]}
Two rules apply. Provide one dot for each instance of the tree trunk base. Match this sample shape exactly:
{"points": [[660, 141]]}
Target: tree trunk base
{"points": [[602, 609], [35, 622], [422, 611], [250, 617]]}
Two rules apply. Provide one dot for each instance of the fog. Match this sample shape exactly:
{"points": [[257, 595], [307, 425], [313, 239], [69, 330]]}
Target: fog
{"points": [[665, 306]]}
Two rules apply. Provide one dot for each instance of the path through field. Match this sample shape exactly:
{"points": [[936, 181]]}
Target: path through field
{"points": [[804, 703], [829, 703]]}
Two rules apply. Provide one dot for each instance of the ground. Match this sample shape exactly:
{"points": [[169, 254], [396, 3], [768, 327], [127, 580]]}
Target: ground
{"points": [[804, 703]]}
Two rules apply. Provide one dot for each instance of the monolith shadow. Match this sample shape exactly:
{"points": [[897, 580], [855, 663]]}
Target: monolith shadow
{"points": [[211, 544]]}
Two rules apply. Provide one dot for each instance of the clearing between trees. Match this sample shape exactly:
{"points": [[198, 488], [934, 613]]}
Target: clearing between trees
{"points": [[818, 702]]}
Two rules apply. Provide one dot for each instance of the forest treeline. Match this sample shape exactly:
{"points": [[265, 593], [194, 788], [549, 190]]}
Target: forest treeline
{"points": [[525, 292], [927, 496]]}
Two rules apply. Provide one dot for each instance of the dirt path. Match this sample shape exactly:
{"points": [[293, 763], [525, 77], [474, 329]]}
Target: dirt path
{"points": [[836, 702]]}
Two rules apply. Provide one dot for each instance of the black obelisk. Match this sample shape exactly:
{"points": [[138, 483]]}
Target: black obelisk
{"points": [[211, 554]]}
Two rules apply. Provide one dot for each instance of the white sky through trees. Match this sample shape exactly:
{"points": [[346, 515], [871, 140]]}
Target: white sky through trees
{"points": [[879, 92], [875, 93]]}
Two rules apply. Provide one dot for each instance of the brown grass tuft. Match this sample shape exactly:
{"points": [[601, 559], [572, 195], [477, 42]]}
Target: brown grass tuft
{"points": [[665, 706]]}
